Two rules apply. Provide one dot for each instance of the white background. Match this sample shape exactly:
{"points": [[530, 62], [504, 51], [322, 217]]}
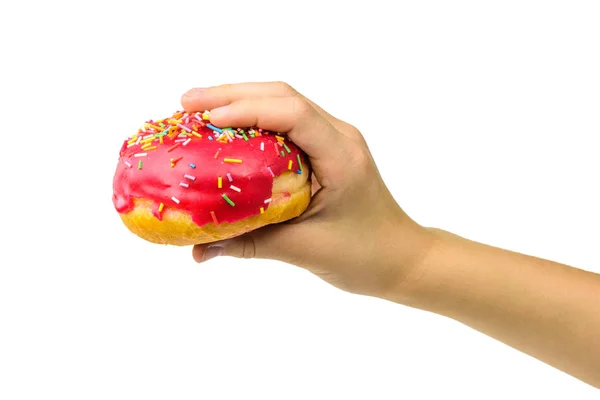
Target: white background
{"points": [[482, 116]]}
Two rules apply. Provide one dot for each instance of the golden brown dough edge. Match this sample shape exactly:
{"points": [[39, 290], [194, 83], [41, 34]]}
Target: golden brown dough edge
{"points": [[178, 229]]}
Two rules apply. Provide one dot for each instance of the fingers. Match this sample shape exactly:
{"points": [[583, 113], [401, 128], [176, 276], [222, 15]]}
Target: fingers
{"points": [[303, 124], [200, 99]]}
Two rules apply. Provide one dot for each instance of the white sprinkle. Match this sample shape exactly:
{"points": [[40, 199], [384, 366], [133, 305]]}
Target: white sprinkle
{"points": [[182, 135], [175, 199], [180, 140], [148, 136], [187, 141], [237, 189], [185, 128], [131, 145], [229, 177], [272, 174], [140, 155], [139, 140], [190, 177], [127, 163], [239, 136], [267, 201], [199, 118], [183, 184], [262, 146]]}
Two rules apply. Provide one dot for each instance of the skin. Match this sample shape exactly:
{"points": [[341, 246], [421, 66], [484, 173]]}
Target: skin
{"points": [[548, 310]]}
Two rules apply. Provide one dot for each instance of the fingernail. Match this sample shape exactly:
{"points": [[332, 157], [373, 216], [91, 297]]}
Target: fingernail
{"points": [[195, 92], [212, 252]]}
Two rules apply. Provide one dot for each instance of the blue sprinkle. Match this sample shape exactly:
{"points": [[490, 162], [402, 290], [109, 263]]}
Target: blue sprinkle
{"points": [[192, 166], [214, 128], [299, 172], [210, 138]]}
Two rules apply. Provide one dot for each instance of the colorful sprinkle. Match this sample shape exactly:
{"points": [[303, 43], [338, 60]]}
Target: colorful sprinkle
{"points": [[150, 148], [287, 148], [206, 115], [217, 153], [214, 218], [280, 138], [176, 145], [271, 171], [228, 200], [237, 189], [140, 164], [187, 141], [267, 201], [290, 165], [262, 210], [190, 177], [219, 182], [282, 153], [233, 160], [245, 137], [185, 185], [214, 128], [229, 177], [262, 146], [193, 166], [175, 199], [185, 128], [299, 162], [174, 161], [128, 164], [160, 207]]}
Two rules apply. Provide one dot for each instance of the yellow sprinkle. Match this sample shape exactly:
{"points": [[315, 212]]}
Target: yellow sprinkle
{"points": [[161, 140], [159, 121], [150, 139], [279, 138], [160, 207], [290, 165], [132, 140], [196, 134], [174, 121], [220, 183], [206, 116], [233, 160], [158, 128], [177, 115], [262, 210], [150, 148]]}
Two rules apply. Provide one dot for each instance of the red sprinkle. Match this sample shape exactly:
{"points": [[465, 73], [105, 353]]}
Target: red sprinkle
{"points": [[214, 218], [170, 149]]}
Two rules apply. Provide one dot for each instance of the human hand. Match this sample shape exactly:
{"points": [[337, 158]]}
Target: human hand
{"points": [[353, 235]]}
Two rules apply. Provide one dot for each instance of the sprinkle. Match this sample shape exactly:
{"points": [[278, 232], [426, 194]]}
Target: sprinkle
{"points": [[182, 135], [175, 199], [206, 115], [198, 118], [271, 171], [282, 153], [128, 164], [245, 137], [276, 149], [132, 140], [280, 138], [214, 218], [140, 165], [190, 177], [139, 139], [267, 201], [220, 182], [174, 161], [262, 146], [193, 166], [160, 207], [150, 148], [229, 177], [299, 162], [196, 134], [262, 210], [174, 121], [237, 189], [227, 199], [233, 160], [170, 149], [217, 153], [238, 136], [187, 141], [185, 128], [290, 165], [214, 128], [287, 148], [210, 138], [161, 139], [180, 140], [145, 138], [183, 184], [131, 145], [140, 155]]}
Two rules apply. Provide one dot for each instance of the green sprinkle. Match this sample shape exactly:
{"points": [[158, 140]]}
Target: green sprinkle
{"points": [[245, 137], [161, 125], [140, 164], [287, 148], [299, 162], [227, 199], [282, 153]]}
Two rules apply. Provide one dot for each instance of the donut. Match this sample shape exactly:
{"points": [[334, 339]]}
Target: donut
{"points": [[183, 181]]}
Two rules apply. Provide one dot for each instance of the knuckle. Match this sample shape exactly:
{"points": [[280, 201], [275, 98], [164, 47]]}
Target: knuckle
{"points": [[249, 247], [300, 106], [284, 88]]}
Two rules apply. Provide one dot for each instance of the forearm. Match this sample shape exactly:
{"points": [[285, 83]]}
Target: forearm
{"points": [[547, 310]]}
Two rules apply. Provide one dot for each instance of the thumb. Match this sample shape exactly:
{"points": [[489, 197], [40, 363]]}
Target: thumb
{"points": [[262, 243]]}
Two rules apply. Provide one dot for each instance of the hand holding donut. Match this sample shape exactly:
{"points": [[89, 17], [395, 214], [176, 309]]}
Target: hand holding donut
{"points": [[353, 235]]}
